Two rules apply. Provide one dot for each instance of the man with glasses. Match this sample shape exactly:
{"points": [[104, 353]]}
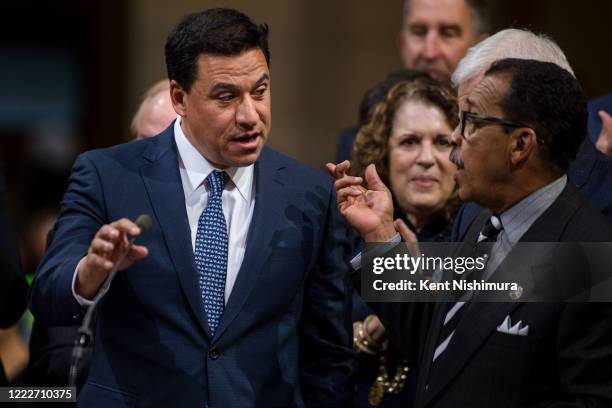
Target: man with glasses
{"points": [[522, 123], [590, 172]]}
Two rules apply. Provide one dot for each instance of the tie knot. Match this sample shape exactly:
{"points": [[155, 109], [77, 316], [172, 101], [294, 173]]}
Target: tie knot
{"points": [[216, 181], [491, 229]]}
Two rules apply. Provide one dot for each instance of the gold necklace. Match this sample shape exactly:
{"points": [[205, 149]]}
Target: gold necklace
{"points": [[383, 386]]}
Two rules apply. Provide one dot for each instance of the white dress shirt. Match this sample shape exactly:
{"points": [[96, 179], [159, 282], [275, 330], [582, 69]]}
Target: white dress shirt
{"points": [[238, 202]]}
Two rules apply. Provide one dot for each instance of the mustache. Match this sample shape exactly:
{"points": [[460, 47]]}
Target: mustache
{"points": [[454, 158]]}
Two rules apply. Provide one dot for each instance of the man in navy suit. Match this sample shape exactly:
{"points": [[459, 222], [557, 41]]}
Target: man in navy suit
{"points": [[237, 296]]}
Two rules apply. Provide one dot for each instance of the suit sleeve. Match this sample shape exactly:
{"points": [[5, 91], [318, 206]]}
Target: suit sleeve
{"points": [[326, 355], [82, 214]]}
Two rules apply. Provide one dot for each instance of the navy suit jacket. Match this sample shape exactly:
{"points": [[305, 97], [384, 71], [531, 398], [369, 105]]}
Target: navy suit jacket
{"points": [[284, 339]]}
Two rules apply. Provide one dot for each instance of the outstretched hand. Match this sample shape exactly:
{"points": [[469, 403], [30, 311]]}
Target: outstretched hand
{"points": [[369, 211], [104, 252]]}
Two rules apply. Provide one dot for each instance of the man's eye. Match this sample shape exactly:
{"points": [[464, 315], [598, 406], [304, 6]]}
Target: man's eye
{"points": [[418, 30], [225, 97], [260, 92], [449, 32]]}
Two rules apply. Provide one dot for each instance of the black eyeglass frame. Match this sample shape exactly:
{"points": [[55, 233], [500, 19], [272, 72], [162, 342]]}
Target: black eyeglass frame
{"points": [[464, 115]]}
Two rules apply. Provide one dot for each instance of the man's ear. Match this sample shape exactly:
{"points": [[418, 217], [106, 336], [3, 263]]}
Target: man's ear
{"points": [[522, 143], [177, 95]]}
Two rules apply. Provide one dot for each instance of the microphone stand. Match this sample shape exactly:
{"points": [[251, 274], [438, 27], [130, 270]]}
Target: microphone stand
{"points": [[85, 334]]}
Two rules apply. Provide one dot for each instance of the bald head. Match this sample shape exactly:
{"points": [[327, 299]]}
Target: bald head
{"points": [[155, 112]]}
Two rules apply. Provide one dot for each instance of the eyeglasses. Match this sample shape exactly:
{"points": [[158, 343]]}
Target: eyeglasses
{"points": [[476, 117]]}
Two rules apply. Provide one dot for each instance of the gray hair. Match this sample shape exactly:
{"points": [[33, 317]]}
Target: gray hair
{"points": [[479, 9], [509, 43]]}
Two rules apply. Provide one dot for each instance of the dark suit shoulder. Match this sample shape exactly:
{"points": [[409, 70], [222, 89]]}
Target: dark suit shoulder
{"points": [[570, 218], [587, 225], [300, 174], [134, 151]]}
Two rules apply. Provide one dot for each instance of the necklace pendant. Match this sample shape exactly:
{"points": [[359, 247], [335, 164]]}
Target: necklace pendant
{"points": [[376, 394]]}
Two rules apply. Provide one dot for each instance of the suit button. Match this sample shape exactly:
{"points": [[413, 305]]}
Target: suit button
{"points": [[213, 353], [427, 387]]}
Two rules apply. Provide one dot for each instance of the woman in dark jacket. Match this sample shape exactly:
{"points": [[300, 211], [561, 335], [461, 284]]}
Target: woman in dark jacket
{"points": [[407, 137]]}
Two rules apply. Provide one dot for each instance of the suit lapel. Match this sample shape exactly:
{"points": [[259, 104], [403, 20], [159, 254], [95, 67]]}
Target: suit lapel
{"points": [[163, 183], [482, 319], [430, 346], [479, 322], [270, 199]]}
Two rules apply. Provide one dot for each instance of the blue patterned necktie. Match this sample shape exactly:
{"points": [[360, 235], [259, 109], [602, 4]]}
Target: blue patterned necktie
{"points": [[211, 252]]}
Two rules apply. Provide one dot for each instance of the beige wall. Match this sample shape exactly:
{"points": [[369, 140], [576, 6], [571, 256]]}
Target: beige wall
{"points": [[325, 54]]}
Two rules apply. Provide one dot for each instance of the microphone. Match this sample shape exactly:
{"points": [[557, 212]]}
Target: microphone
{"points": [[85, 334], [144, 223]]}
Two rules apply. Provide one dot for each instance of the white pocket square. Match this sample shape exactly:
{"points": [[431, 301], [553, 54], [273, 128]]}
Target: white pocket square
{"points": [[516, 330]]}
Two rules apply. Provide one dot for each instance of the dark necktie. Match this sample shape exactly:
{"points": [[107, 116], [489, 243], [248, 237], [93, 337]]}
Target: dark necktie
{"points": [[211, 252], [488, 233]]}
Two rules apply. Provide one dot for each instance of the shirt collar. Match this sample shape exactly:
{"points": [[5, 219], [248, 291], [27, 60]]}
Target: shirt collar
{"points": [[520, 217], [197, 167]]}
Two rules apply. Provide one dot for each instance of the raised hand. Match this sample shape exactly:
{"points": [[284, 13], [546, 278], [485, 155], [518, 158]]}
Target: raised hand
{"points": [[106, 248], [369, 211]]}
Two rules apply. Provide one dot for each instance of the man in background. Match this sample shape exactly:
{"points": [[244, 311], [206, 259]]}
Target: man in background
{"points": [[155, 112], [434, 36]]}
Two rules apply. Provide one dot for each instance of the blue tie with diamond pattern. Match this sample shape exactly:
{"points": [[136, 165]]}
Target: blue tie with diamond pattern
{"points": [[211, 252]]}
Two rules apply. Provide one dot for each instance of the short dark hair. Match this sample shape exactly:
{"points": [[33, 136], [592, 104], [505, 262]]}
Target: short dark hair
{"points": [[550, 99], [217, 31]]}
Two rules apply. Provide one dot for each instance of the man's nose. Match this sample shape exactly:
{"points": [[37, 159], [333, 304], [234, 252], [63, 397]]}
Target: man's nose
{"points": [[432, 45], [456, 136], [246, 114]]}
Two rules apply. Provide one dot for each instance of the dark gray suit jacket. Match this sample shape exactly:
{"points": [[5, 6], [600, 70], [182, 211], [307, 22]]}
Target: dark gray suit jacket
{"points": [[566, 359]]}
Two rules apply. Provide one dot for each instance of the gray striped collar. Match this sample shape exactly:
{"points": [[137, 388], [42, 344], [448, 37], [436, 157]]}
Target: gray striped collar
{"points": [[518, 218]]}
